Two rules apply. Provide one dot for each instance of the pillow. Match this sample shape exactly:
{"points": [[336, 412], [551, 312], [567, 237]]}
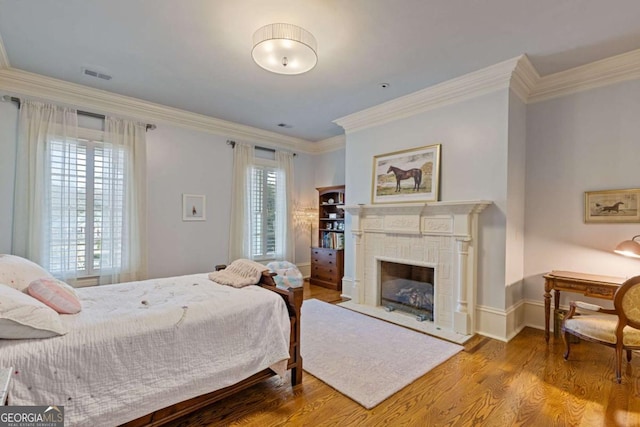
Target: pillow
{"points": [[56, 294], [288, 275], [24, 317], [18, 272]]}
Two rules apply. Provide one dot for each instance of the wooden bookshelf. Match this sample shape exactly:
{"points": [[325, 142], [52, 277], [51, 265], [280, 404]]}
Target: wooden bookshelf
{"points": [[327, 258]]}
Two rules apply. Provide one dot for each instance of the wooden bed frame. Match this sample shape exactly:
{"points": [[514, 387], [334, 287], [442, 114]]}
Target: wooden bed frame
{"points": [[293, 298]]}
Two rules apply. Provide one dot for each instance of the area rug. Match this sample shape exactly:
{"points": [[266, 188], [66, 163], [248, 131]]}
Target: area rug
{"points": [[364, 358]]}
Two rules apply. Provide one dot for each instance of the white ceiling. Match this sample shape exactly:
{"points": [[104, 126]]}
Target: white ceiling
{"points": [[196, 54]]}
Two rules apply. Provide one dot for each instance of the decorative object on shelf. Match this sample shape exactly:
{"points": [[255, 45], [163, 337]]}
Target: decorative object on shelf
{"points": [[193, 207], [407, 176], [330, 201], [284, 49], [630, 248], [611, 206]]}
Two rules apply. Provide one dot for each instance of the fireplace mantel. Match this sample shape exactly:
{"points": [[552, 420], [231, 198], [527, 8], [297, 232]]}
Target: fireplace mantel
{"points": [[439, 234]]}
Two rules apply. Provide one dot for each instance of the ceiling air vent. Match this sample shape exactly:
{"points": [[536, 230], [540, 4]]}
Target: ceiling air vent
{"points": [[93, 73]]}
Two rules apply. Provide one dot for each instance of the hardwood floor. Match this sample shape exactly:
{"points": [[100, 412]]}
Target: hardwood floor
{"points": [[521, 383]]}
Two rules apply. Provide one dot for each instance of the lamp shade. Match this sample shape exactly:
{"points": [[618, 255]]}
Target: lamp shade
{"points": [[284, 49], [630, 248]]}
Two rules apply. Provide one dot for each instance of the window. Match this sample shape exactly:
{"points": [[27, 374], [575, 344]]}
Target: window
{"points": [[85, 207], [264, 188]]}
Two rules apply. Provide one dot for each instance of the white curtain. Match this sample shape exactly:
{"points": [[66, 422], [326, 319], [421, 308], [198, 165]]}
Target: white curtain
{"points": [[124, 233], [38, 125], [240, 230], [285, 236]]}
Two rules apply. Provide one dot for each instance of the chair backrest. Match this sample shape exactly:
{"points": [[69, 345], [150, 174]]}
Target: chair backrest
{"points": [[627, 303]]}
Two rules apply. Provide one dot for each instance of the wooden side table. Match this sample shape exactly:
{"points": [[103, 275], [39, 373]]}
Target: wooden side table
{"points": [[590, 285]]}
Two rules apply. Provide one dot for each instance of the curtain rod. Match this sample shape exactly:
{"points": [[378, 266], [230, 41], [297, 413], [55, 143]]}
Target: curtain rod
{"points": [[82, 113], [257, 147]]}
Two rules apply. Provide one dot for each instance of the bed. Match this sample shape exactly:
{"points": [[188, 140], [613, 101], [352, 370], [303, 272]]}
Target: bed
{"points": [[145, 353]]}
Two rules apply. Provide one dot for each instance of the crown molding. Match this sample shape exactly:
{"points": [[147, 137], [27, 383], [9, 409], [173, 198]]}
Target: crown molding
{"points": [[23, 83], [607, 71], [518, 74], [524, 79], [334, 143], [469, 86], [4, 59]]}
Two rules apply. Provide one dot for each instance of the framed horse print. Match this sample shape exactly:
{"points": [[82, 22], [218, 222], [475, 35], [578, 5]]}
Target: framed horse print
{"points": [[411, 175], [612, 206]]}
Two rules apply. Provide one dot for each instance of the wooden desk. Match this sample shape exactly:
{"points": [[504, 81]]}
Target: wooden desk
{"points": [[589, 285]]}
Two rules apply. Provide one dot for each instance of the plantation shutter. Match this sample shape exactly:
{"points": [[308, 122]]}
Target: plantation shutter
{"points": [[263, 206], [108, 207], [67, 206], [86, 205]]}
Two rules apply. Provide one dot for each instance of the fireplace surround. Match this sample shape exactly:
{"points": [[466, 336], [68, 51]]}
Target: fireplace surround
{"points": [[438, 235]]}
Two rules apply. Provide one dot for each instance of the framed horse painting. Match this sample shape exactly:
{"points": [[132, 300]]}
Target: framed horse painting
{"points": [[612, 206], [411, 175]]}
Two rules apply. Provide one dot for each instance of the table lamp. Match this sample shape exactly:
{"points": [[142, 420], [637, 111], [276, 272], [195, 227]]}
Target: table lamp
{"points": [[630, 248]]}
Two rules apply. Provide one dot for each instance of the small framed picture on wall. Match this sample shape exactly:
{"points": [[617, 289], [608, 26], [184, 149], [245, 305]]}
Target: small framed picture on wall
{"points": [[612, 206], [194, 207]]}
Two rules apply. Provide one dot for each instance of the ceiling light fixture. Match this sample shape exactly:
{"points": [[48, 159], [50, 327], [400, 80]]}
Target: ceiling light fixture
{"points": [[284, 49]]}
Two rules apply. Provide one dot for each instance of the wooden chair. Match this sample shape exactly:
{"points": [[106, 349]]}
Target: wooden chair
{"points": [[618, 328]]}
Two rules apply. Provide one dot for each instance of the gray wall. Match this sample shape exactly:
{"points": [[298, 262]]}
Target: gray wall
{"points": [[582, 142]]}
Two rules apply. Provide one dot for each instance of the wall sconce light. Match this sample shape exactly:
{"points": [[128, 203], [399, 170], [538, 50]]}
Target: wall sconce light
{"points": [[630, 248]]}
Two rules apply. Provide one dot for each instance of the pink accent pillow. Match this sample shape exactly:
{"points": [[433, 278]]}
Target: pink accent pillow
{"points": [[56, 294]]}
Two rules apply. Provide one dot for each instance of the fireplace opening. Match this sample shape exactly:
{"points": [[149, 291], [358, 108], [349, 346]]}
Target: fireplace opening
{"points": [[407, 288]]}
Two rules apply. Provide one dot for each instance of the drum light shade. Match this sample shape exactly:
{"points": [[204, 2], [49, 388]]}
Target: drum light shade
{"points": [[629, 248], [284, 49]]}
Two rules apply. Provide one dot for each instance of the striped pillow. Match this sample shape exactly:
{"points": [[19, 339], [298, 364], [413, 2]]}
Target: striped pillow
{"points": [[56, 294]]}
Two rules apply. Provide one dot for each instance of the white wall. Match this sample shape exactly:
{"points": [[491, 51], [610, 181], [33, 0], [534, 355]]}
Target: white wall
{"points": [[474, 137], [330, 169], [184, 161], [582, 142], [514, 253]]}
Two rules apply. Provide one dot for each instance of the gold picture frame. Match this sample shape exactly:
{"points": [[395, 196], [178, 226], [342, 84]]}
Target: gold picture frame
{"points": [[411, 175], [612, 206]]}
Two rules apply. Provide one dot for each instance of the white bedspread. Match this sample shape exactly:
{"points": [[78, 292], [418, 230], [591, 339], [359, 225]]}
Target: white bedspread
{"points": [[141, 346]]}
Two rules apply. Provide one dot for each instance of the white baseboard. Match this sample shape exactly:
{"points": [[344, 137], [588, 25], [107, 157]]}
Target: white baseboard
{"points": [[498, 324], [347, 288], [305, 269]]}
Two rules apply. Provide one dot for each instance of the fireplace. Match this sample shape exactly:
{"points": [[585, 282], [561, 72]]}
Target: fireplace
{"points": [[407, 288], [440, 236]]}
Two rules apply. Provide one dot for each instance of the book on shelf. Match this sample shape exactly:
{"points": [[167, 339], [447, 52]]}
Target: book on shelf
{"points": [[333, 240]]}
